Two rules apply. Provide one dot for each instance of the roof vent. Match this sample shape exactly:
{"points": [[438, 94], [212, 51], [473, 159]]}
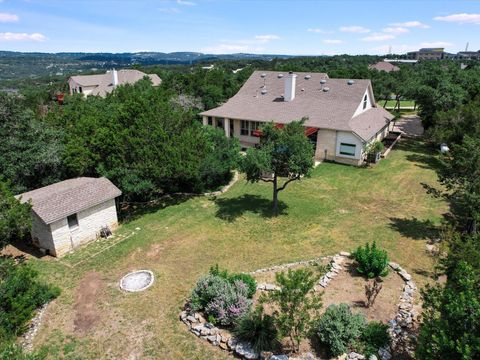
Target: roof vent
{"points": [[307, 77], [263, 75], [325, 89], [280, 76], [323, 81], [350, 82], [303, 89], [264, 91]]}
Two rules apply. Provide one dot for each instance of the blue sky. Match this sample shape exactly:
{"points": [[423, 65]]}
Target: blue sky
{"points": [[224, 26]]}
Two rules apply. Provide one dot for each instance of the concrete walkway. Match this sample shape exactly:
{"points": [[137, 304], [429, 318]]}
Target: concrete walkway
{"points": [[409, 126]]}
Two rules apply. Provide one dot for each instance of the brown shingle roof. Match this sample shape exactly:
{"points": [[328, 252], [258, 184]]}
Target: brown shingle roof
{"points": [[333, 109], [368, 123], [104, 81], [384, 66], [57, 201]]}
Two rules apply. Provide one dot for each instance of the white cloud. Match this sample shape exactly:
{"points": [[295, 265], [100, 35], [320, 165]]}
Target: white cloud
{"points": [[395, 30], [463, 18], [169, 10], [411, 24], [436, 44], [354, 29], [378, 37], [319, 31], [185, 2], [266, 38], [332, 41], [8, 17], [8, 36]]}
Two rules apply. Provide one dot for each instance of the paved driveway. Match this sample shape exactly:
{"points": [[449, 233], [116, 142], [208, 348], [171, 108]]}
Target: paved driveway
{"points": [[409, 125]]}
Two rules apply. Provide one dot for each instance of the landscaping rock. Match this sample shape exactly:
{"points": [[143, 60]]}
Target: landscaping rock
{"points": [[384, 354], [279, 357], [405, 276], [232, 343], [394, 265], [345, 253], [223, 346], [355, 356], [192, 319], [372, 357], [270, 287], [245, 349]]}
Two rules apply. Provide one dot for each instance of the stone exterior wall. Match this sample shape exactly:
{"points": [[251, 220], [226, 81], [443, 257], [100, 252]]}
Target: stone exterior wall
{"points": [[90, 222], [326, 140], [41, 235]]}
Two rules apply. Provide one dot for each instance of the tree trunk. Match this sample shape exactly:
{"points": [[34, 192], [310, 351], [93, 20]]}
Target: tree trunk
{"points": [[472, 226], [275, 194]]}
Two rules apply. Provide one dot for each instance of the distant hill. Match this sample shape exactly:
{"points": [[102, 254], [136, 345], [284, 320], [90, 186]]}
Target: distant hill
{"points": [[31, 65]]}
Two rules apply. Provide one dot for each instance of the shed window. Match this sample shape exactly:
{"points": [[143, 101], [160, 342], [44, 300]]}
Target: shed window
{"points": [[365, 102], [347, 149], [72, 221], [244, 127], [210, 120], [80, 90]]}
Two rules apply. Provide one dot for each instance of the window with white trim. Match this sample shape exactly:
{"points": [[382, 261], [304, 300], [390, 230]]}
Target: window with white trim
{"points": [[72, 221], [347, 149], [365, 102], [244, 127]]}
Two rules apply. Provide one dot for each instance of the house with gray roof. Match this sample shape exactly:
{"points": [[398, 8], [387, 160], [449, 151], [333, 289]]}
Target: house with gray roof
{"points": [[342, 116], [102, 84], [70, 213]]}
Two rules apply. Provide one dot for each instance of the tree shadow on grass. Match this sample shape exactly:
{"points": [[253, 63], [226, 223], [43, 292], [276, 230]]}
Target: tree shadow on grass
{"points": [[133, 211], [421, 154], [230, 209], [414, 228]]}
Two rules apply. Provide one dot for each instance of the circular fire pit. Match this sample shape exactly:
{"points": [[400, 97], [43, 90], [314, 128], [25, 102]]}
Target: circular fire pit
{"points": [[139, 280]]}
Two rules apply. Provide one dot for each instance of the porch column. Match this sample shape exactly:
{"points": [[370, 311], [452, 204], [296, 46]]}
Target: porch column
{"points": [[205, 120], [236, 128], [214, 122], [226, 125]]}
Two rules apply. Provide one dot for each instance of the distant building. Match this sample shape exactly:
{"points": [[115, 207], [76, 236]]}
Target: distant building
{"points": [[102, 84], [427, 54], [342, 115], [468, 55], [384, 66], [71, 212]]}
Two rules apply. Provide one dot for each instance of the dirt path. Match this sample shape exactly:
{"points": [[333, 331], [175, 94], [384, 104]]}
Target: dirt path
{"points": [[86, 310]]}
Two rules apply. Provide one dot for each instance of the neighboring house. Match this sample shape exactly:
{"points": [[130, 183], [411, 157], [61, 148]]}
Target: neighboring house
{"points": [[428, 54], [342, 114], [71, 212], [384, 66], [102, 84]]}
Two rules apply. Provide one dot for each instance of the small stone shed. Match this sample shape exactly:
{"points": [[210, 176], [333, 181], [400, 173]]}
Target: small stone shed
{"points": [[71, 213]]}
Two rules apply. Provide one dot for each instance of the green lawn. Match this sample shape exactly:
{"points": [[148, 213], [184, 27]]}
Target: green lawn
{"points": [[338, 208], [392, 103]]}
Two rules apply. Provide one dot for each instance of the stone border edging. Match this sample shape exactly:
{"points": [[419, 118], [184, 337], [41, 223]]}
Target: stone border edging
{"points": [[225, 188], [399, 328], [152, 279], [33, 326]]}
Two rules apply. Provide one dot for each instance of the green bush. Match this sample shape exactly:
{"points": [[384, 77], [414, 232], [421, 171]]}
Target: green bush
{"points": [[14, 352], [373, 337], [338, 328], [372, 262], [248, 280], [20, 295], [245, 278], [257, 328]]}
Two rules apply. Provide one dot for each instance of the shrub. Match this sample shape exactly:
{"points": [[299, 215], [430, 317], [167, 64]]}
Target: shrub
{"points": [[258, 329], [222, 301], [295, 308], [374, 336], [375, 147], [338, 328], [247, 280], [372, 262], [20, 295]]}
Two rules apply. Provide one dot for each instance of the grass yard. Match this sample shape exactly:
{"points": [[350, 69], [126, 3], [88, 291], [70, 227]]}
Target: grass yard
{"points": [[392, 103], [338, 208]]}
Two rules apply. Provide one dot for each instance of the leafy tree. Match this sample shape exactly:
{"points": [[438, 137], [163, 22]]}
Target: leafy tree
{"points": [[450, 326], [31, 149], [294, 306], [15, 220], [461, 176], [283, 152]]}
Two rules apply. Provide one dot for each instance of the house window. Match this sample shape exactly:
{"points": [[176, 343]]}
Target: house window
{"points": [[72, 221], [347, 149], [255, 125], [210, 120], [220, 123], [80, 89], [244, 127], [365, 102]]}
